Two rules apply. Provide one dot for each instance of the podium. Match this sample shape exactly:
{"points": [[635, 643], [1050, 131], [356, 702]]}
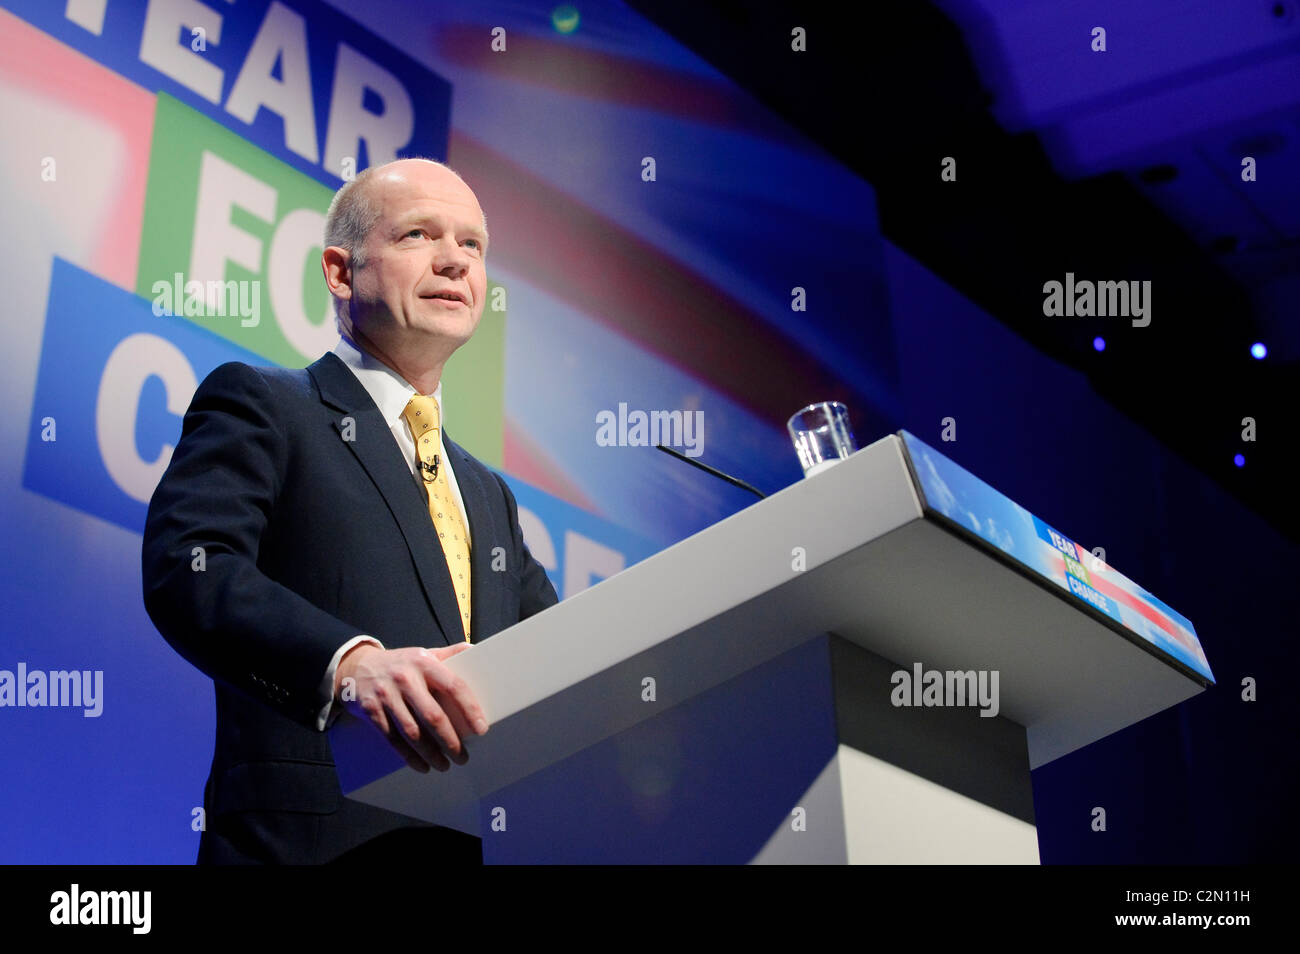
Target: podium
{"points": [[842, 672]]}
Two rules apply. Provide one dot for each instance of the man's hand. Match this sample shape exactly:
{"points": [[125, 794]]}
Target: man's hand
{"points": [[414, 700]]}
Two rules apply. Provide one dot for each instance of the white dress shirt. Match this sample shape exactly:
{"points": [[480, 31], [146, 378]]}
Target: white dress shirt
{"points": [[391, 393]]}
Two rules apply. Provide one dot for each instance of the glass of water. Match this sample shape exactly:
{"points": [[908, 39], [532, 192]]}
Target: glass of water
{"points": [[822, 436]]}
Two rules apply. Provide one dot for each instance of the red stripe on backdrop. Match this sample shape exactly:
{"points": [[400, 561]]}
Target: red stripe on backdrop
{"points": [[565, 67], [522, 457], [617, 279], [43, 70]]}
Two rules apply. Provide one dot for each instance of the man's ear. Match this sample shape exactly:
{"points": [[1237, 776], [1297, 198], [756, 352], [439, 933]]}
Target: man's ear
{"points": [[336, 263]]}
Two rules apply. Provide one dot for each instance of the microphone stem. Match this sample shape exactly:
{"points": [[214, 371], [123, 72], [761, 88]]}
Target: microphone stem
{"points": [[714, 471]]}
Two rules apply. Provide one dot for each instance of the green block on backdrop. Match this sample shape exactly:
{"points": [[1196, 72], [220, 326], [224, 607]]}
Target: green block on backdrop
{"points": [[474, 387]]}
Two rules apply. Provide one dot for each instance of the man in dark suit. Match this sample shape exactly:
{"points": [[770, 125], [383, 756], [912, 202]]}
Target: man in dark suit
{"points": [[319, 543]]}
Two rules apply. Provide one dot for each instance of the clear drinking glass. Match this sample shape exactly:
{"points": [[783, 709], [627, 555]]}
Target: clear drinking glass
{"points": [[822, 436]]}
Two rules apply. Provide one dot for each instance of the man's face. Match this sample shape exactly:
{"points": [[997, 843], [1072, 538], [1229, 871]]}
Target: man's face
{"points": [[428, 242]]}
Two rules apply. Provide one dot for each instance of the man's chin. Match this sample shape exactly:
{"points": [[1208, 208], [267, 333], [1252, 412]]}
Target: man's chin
{"points": [[447, 330]]}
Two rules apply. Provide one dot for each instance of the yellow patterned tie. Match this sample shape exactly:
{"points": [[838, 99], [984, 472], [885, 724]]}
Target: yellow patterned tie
{"points": [[422, 414]]}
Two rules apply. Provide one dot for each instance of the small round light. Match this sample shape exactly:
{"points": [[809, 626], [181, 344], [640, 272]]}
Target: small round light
{"points": [[1258, 351], [1239, 460], [1099, 343], [565, 18]]}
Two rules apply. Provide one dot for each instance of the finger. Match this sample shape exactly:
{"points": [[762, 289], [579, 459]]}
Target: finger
{"points": [[407, 727], [446, 652], [440, 727], [455, 694], [374, 712], [412, 758], [428, 723], [459, 723]]}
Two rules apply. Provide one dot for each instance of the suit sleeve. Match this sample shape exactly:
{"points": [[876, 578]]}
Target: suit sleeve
{"points": [[203, 587], [535, 590]]}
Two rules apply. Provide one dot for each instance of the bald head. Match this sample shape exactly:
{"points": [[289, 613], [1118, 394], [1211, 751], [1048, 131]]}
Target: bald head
{"points": [[356, 207]]}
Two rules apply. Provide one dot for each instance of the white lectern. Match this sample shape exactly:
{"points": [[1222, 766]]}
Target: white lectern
{"points": [[738, 697]]}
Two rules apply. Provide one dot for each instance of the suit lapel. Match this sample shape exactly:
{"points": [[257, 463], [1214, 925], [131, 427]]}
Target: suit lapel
{"points": [[486, 585], [373, 445]]}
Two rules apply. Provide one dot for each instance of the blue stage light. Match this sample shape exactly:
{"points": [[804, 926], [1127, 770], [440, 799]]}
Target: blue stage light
{"points": [[1257, 350]]}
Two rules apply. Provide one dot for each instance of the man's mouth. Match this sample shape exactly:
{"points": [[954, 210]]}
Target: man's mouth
{"points": [[447, 296]]}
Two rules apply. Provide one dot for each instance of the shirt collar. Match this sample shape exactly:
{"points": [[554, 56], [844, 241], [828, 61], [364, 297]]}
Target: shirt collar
{"points": [[388, 389]]}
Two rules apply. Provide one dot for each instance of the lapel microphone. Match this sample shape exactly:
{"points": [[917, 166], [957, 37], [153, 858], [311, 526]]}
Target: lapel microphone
{"points": [[430, 471]]}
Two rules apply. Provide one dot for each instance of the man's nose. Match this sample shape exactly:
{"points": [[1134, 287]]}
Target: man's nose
{"points": [[448, 255]]}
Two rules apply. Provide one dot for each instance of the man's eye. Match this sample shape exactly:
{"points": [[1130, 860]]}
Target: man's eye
{"points": [[414, 232], [477, 244]]}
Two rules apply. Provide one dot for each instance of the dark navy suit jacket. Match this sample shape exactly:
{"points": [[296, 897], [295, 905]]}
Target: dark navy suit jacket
{"points": [[312, 530]]}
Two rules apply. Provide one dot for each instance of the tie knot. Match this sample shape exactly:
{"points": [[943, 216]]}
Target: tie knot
{"points": [[422, 414]]}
